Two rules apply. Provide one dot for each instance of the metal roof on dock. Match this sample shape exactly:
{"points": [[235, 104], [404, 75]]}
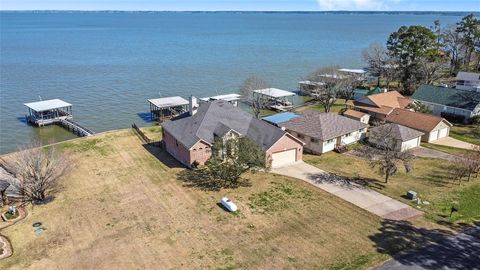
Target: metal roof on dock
{"points": [[168, 102], [280, 117], [226, 97], [46, 105], [274, 92]]}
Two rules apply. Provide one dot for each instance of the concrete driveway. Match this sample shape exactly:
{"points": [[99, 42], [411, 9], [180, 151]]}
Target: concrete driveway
{"points": [[356, 194], [461, 251], [432, 153], [449, 141]]}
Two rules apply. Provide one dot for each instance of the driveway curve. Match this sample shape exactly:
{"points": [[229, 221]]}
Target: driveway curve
{"points": [[356, 194]]}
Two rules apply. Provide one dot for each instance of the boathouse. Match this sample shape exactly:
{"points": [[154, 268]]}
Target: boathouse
{"points": [[231, 98], [276, 99], [48, 112], [167, 107]]}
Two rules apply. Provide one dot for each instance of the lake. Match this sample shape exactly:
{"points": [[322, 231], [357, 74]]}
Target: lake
{"points": [[108, 63]]}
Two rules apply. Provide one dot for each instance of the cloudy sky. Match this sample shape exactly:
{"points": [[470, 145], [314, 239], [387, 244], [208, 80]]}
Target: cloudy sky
{"points": [[280, 5]]}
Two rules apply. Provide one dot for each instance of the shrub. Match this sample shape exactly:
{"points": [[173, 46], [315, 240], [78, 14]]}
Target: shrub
{"points": [[453, 117]]}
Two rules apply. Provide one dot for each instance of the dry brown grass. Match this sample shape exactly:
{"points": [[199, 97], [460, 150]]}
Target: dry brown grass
{"points": [[123, 208]]}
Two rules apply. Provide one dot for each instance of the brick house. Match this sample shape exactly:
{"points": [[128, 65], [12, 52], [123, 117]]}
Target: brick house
{"points": [[190, 137], [379, 106]]}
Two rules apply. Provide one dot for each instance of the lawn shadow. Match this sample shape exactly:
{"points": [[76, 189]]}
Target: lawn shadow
{"points": [[434, 250], [162, 155], [201, 179], [145, 116], [346, 182]]}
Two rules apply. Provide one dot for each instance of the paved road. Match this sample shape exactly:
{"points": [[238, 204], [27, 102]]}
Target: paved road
{"points": [[356, 194], [432, 153], [449, 141], [460, 252]]}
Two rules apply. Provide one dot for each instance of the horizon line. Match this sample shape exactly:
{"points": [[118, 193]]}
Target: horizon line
{"points": [[306, 11]]}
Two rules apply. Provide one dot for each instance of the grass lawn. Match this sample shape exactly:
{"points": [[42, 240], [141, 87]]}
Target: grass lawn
{"points": [[123, 207], [467, 133], [337, 106], [430, 178]]}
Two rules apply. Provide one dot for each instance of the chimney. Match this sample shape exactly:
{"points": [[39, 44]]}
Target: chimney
{"points": [[193, 105]]}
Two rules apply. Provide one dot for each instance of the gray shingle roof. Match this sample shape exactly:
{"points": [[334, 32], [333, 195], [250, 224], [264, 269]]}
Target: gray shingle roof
{"points": [[322, 126], [217, 117], [452, 97], [397, 131]]}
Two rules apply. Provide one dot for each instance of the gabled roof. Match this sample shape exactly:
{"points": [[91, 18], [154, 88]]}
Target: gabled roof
{"points": [[221, 117], [46, 105], [468, 76], [419, 121], [354, 114], [322, 126], [463, 99], [397, 131]]}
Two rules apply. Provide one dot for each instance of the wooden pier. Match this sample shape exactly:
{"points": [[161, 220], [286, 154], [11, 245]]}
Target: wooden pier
{"points": [[75, 127]]}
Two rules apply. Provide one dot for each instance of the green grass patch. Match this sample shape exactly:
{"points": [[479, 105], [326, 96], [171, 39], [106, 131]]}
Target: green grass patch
{"points": [[358, 262], [466, 133], [278, 196], [94, 145], [467, 202], [446, 149], [9, 215]]}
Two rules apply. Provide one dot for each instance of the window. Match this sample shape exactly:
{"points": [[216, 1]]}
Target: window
{"points": [[348, 134], [329, 141]]}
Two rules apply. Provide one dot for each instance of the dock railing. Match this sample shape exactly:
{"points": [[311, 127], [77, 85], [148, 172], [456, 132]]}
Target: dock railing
{"points": [[144, 137]]}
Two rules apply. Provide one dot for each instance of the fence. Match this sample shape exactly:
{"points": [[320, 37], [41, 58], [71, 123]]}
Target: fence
{"points": [[144, 137]]}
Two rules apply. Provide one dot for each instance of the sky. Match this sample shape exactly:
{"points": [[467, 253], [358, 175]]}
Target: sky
{"points": [[242, 5]]}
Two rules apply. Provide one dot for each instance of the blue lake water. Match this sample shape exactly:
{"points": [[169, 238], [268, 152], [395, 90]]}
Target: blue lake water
{"points": [[108, 64]]}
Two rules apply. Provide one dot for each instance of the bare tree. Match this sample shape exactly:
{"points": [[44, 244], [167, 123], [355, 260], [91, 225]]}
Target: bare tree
{"points": [[328, 84], [451, 41], [39, 170], [256, 102], [433, 71], [384, 155], [377, 59], [471, 162]]}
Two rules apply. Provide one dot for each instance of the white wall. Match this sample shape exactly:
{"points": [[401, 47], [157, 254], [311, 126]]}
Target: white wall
{"points": [[410, 144]]}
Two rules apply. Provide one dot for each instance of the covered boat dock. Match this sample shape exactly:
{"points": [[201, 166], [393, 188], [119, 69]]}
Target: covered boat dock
{"points": [[275, 98], [167, 107], [48, 112], [231, 98]]}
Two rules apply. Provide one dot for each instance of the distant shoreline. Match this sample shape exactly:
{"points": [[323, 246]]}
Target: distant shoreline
{"points": [[346, 12]]}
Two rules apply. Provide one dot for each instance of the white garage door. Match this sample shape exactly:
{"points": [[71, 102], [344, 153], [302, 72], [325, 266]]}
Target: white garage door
{"points": [[283, 158], [443, 133], [433, 136]]}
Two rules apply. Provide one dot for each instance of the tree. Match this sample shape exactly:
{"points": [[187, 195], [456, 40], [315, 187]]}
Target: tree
{"points": [[471, 162], [39, 171], [231, 157], [420, 107], [410, 46], [256, 102], [469, 29], [451, 42], [380, 64], [432, 69], [384, 156], [328, 84]]}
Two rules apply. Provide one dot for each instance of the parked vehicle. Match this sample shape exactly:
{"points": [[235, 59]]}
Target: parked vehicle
{"points": [[228, 204]]}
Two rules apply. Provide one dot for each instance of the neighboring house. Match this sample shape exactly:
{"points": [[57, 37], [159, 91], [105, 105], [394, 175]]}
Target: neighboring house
{"points": [[190, 137], [361, 93], [322, 132], [433, 126], [468, 81], [356, 115], [380, 105], [461, 103], [397, 137]]}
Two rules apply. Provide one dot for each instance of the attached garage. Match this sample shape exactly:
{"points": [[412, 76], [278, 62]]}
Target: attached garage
{"points": [[284, 158], [394, 136], [442, 133]]}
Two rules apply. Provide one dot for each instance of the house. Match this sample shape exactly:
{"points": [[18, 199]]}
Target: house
{"points": [[190, 137], [381, 105], [449, 101], [356, 115], [322, 132], [395, 136], [468, 81], [359, 93], [432, 126]]}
